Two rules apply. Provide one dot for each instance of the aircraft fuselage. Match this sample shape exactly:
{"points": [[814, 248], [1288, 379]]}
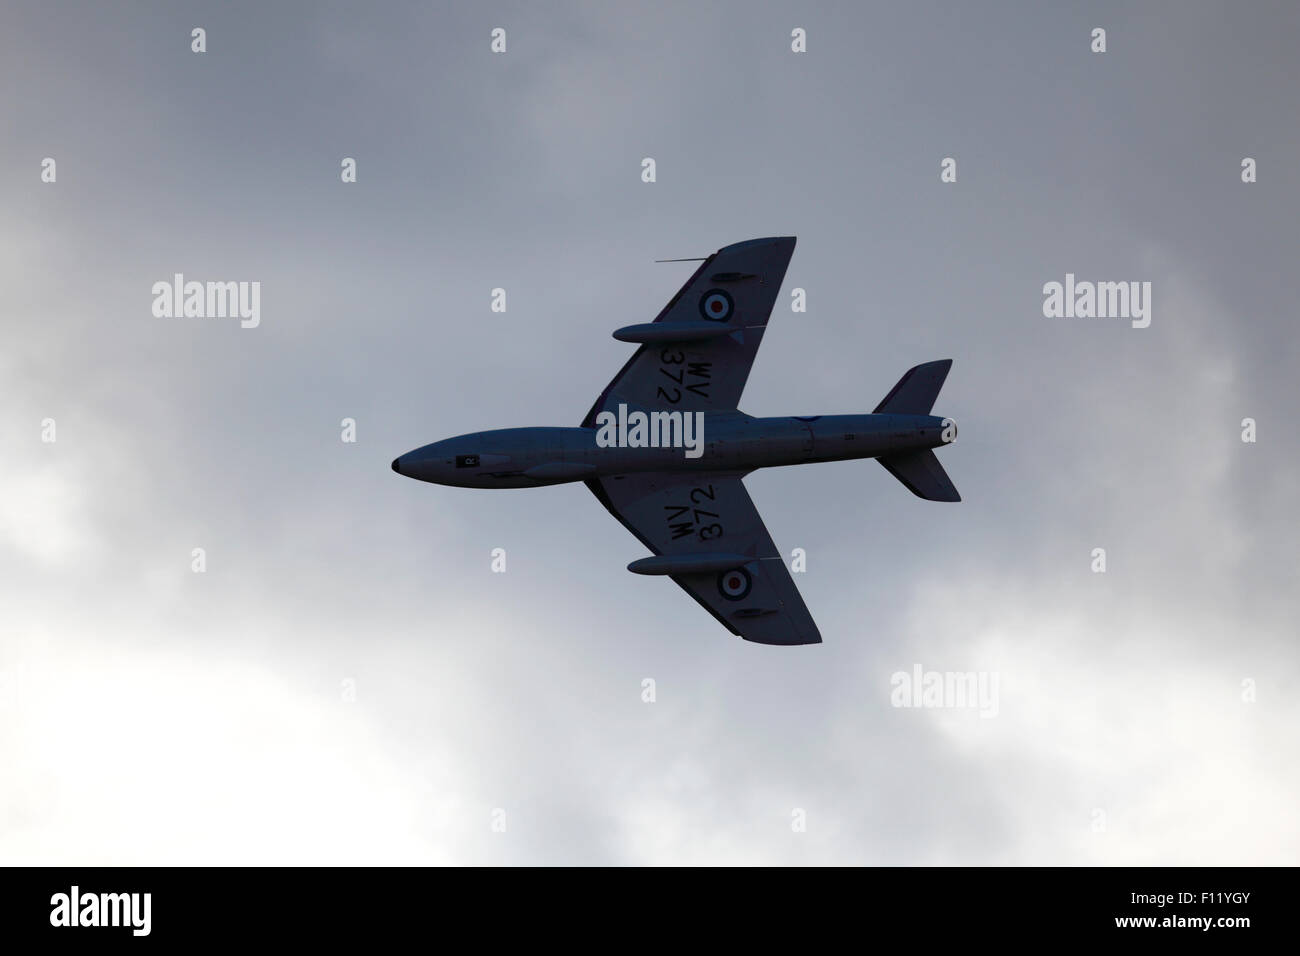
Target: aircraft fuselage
{"points": [[730, 442]]}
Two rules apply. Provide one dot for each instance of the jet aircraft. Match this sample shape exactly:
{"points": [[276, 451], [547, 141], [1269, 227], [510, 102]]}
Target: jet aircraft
{"points": [[665, 447]]}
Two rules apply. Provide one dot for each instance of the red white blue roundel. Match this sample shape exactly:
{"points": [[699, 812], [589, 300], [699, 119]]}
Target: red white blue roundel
{"points": [[734, 585], [716, 305]]}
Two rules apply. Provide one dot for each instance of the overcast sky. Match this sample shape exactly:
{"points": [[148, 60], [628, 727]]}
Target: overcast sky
{"points": [[349, 682]]}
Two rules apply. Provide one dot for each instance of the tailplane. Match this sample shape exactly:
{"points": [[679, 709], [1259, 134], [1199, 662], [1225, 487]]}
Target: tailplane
{"points": [[921, 472]]}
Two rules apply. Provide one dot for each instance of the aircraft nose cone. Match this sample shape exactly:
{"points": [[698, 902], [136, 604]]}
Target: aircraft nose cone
{"points": [[395, 468]]}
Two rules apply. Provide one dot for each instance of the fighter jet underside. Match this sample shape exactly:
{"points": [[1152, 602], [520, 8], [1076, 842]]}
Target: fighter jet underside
{"points": [[693, 513]]}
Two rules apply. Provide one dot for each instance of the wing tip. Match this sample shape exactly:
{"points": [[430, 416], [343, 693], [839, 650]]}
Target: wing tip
{"points": [[763, 241]]}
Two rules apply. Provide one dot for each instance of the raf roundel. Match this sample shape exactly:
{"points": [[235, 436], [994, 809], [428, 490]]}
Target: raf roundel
{"points": [[716, 305], [734, 585]]}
